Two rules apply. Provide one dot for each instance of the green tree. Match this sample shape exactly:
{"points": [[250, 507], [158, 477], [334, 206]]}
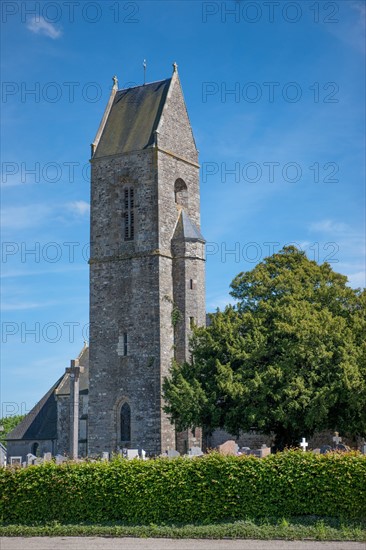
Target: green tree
{"points": [[7, 424], [288, 358]]}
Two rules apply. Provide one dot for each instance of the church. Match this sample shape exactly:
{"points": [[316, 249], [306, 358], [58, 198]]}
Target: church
{"points": [[147, 284]]}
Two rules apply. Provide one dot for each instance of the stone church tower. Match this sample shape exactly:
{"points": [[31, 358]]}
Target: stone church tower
{"points": [[147, 273]]}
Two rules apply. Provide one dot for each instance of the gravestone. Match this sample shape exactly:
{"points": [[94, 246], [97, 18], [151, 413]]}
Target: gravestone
{"points": [[132, 453], [264, 451], [341, 447], [47, 457], [31, 459], [325, 449], [195, 451], [304, 444], [316, 451], [38, 461], [60, 459], [24, 464], [105, 456], [143, 454], [228, 448], [363, 447], [173, 453]]}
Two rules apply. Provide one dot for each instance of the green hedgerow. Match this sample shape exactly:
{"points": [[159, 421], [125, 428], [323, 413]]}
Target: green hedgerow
{"points": [[207, 489]]}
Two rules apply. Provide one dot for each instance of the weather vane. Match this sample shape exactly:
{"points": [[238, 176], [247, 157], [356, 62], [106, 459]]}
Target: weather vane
{"points": [[144, 66]]}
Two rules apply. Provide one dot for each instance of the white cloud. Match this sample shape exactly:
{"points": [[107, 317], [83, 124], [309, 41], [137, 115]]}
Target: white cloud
{"points": [[38, 25], [79, 207], [329, 226]]}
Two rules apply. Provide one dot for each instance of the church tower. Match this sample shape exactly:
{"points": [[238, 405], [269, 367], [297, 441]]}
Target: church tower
{"points": [[147, 272]]}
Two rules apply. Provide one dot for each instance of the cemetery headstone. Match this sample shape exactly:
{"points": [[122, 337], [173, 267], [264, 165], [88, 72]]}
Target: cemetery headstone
{"points": [[30, 459], [264, 451], [341, 447], [244, 450], [336, 438], [132, 453], [304, 444], [195, 451], [228, 448], [105, 456], [143, 454], [172, 453], [47, 457], [60, 459]]}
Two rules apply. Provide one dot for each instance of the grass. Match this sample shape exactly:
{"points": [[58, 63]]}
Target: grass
{"points": [[301, 528]]}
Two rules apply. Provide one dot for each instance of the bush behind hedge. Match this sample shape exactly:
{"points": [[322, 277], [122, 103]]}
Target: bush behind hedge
{"points": [[208, 489]]}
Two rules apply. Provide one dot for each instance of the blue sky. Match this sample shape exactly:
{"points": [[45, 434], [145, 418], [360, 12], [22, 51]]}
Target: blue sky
{"points": [[275, 93]]}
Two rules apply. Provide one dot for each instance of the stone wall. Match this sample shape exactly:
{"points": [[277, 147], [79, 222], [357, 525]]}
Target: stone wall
{"points": [[132, 286]]}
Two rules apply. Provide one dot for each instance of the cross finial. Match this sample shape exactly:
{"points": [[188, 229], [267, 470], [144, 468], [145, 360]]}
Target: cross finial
{"points": [[304, 444], [115, 81], [175, 67]]}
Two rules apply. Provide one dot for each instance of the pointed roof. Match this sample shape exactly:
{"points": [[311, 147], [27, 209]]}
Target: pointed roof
{"points": [[133, 119], [186, 229], [41, 421]]}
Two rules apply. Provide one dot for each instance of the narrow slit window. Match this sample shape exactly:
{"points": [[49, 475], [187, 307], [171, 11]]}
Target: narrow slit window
{"points": [[129, 203], [125, 343], [191, 322]]}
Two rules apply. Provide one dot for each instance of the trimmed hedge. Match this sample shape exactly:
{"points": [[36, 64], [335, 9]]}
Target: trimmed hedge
{"points": [[208, 489]]}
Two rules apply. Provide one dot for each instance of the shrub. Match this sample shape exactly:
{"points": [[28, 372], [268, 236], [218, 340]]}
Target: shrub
{"points": [[208, 489]]}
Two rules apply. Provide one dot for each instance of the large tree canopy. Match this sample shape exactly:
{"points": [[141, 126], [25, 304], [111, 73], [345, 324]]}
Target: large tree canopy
{"points": [[288, 358]]}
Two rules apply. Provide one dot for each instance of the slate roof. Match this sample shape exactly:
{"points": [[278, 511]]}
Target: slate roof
{"points": [[41, 421], [186, 229], [133, 118]]}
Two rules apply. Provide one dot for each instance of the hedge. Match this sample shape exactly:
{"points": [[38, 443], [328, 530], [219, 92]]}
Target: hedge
{"points": [[207, 489]]}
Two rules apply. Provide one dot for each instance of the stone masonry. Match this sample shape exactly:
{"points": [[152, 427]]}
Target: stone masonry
{"points": [[138, 284]]}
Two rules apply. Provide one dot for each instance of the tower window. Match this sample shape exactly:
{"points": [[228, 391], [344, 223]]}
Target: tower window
{"points": [[191, 323], [125, 343], [125, 422], [129, 204], [192, 284], [181, 193]]}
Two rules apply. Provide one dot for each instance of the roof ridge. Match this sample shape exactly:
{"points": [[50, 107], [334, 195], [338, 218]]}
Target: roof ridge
{"points": [[143, 85]]}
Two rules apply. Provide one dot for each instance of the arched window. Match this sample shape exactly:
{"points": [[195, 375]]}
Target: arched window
{"points": [[181, 193], [35, 448], [125, 423]]}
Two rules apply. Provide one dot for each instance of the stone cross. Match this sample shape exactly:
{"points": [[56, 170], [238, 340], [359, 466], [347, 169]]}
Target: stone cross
{"points": [[74, 372], [304, 444], [336, 438]]}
